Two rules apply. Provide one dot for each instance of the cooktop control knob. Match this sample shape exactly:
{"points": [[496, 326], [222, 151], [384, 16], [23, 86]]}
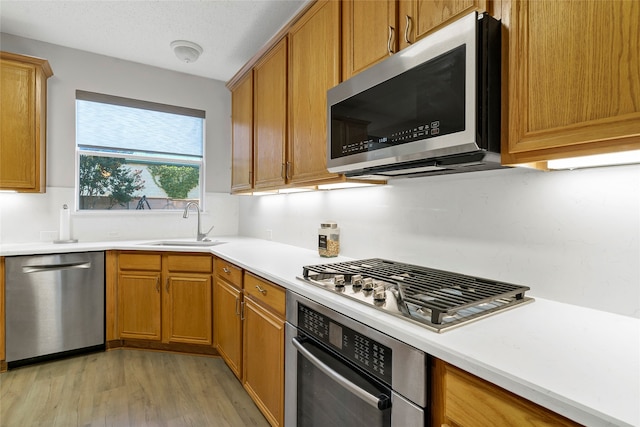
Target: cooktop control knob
{"points": [[367, 284], [356, 280], [379, 293], [338, 280]]}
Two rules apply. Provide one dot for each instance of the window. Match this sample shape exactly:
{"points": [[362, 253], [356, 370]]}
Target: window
{"points": [[137, 155]]}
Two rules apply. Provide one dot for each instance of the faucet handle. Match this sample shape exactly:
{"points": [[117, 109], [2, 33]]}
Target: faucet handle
{"points": [[203, 236]]}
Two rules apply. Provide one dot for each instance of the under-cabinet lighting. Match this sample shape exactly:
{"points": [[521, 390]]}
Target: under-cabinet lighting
{"points": [[264, 193], [295, 190], [339, 185], [609, 159], [8, 191]]}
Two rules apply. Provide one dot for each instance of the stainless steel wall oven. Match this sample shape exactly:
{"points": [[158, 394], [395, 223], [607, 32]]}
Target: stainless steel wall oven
{"points": [[342, 372]]}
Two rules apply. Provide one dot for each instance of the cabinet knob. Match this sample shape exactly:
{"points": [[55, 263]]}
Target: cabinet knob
{"points": [[226, 270], [262, 291]]}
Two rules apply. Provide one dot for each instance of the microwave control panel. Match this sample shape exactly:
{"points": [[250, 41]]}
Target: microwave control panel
{"points": [[360, 350]]}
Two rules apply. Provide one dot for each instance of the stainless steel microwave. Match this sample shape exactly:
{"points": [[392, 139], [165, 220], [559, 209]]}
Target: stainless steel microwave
{"points": [[432, 108]]}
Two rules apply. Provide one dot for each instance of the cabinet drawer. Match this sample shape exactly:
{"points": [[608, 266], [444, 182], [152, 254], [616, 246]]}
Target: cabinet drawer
{"points": [[265, 292], [139, 261], [190, 263], [229, 272]]}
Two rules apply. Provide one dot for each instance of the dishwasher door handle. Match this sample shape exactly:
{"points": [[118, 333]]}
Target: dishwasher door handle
{"points": [[56, 267], [381, 402]]}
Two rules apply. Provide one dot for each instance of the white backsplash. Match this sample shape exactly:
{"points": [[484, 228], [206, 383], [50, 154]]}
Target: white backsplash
{"points": [[28, 218], [572, 236]]}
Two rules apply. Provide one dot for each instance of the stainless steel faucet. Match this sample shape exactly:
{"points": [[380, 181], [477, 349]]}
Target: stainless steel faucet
{"points": [[201, 235]]}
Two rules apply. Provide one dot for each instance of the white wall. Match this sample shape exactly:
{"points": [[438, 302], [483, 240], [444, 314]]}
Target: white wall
{"points": [[572, 236], [23, 217]]}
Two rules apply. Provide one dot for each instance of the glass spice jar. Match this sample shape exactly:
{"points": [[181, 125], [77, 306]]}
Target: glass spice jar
{"points": [[328, 239]]}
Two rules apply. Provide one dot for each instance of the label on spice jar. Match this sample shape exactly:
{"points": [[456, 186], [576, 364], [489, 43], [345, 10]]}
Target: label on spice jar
{"points": [[322, 241]]}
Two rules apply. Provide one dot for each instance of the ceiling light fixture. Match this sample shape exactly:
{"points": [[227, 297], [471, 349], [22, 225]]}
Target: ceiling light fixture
{"points": [[186, 51]]}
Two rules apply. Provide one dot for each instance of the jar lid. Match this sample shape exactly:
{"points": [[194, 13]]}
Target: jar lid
{"points": [[328, 225]]}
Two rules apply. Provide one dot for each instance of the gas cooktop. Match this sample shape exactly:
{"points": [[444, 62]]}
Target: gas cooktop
{"points": [[435, 299]]}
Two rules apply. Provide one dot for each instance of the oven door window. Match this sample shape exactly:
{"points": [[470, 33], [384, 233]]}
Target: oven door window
{"points": [[324, 401]]}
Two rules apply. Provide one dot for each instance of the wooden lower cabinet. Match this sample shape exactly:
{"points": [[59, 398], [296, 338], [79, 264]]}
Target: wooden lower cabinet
{"points": [[165, 297], [249, 322], [139, 305], [226, 314], [188, 309], [460, 399], [263, 360], [2, 327]]}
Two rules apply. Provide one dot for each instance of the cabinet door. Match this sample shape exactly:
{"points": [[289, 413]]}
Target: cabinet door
{"points": [[270, 118], [369, 34], [242, 128], [574, 85], [139, 305], [417, 18], [461, 399], [228, 324], [263, 359], [187, 315], [23, 84], [314, 67], [2, 327]]}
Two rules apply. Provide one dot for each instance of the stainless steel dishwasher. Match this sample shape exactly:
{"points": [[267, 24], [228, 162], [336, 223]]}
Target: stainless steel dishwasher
{"points": [[54, 306]]}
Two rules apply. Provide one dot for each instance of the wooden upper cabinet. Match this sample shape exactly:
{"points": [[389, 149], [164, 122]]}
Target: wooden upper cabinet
{"points": [[417, 18], [314, 68], [242, 134], [270, 118], [574, 85], [369, 34], [23, 112]]}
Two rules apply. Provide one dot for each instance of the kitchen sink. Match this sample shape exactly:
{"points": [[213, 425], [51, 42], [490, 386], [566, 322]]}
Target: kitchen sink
{"points": [[197, 243]]}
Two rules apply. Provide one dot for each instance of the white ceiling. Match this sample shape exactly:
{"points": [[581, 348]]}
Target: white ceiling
{"points": [[229, 31]]}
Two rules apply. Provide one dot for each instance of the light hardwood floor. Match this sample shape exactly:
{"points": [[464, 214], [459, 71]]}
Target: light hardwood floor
{"points": [[126, 388]]}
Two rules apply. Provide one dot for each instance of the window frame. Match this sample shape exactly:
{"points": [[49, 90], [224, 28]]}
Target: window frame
{"points": [[159, 157]]}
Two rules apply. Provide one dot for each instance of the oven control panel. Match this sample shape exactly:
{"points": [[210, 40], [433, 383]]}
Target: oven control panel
{"points": [[360, 350]]}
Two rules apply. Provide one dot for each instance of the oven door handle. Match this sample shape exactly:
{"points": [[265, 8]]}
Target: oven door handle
{"points": [[381, 402]]}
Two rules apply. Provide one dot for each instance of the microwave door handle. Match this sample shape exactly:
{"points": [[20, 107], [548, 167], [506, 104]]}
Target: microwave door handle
{"points": [[380, 402]]}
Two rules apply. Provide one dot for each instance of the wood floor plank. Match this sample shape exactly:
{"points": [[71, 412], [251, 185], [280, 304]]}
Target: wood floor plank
{"points": [[126, 388]]}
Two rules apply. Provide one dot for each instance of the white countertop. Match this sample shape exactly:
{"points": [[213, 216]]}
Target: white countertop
{"points": [[578, 362]]}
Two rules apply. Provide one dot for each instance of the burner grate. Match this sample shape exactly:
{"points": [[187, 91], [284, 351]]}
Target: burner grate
{"points": [[441, 292]]}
